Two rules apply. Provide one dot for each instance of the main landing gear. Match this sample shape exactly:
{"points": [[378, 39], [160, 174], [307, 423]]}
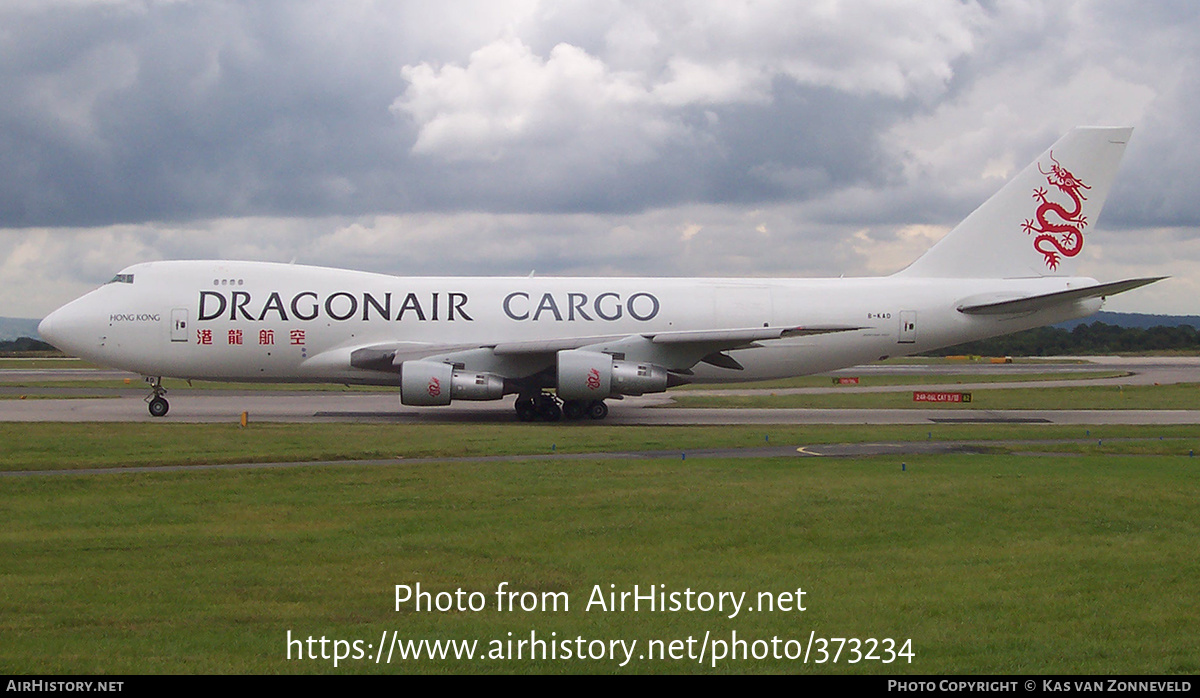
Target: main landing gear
{"points": [[548, 408], [155, 401]]}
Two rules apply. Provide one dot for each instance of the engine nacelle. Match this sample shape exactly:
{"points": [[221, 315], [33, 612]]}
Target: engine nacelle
{"points": [[637, 378], [592, 375], [433, 383]]}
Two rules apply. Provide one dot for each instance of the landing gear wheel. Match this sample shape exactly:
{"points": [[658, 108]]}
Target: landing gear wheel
{"points": [[597, 409], [526, 408], [159, 407], [574, 409], [548, 409], [157, 403]]}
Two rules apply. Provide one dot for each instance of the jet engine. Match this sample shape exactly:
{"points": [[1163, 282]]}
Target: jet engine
{"points": [[433, 383], [592, 375]]}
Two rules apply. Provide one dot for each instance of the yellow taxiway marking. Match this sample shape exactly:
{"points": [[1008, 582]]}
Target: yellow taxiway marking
{"points": [[805, 451]]}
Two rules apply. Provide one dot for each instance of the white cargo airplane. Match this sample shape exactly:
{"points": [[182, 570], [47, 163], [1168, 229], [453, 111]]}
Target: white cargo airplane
{"points": [[564, 345]]}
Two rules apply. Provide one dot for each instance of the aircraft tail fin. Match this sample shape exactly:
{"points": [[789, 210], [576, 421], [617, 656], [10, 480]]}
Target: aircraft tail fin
{"points": [[1035, 225]]}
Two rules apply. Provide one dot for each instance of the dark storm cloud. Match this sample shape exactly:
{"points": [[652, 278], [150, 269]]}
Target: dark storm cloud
{"points": [[187, 111], [580, 136], [804, 142], [181, 111]]}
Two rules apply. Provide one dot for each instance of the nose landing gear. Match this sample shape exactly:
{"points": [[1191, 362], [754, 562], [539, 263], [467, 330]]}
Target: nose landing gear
{"points": [[155, 401]]}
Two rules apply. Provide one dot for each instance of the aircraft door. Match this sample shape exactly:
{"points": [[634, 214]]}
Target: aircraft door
{"points": [[908, 327], [179, 325]]}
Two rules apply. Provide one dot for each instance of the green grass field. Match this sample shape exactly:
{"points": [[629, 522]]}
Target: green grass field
{"points": [[44, 446], [1082, 562], [43, 362], [1178, 396], [924, 379]]}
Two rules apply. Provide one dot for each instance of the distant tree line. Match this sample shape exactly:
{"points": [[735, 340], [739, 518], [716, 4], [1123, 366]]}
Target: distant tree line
{"points": [[1096, 338], [25, 344]]}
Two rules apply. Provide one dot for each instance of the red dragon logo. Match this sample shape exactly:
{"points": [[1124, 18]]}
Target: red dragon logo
{"points": [[435, 387], [1056, 240], [593, 380]]}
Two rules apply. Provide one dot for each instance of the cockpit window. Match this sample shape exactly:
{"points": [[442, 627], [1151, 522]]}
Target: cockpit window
{"points": [[122, 279]]}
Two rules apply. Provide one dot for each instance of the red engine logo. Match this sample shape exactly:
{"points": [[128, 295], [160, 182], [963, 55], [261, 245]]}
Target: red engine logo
{"points": [[593, 380], [435, 387], [1063, 238]]}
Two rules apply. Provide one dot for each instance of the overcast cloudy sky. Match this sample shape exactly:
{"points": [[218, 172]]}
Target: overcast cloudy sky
{"points": [[595, 137]]}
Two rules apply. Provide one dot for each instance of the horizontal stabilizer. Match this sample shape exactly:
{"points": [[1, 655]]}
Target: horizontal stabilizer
{"points": [[1030, 304]]}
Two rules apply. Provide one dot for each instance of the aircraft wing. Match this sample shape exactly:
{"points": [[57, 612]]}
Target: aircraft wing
{"points": [[389, 356], [732, 337], [677, 350], [1029, 304]]}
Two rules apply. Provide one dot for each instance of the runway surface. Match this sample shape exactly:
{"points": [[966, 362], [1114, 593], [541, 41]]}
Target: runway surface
{"points": [[48, 404]]}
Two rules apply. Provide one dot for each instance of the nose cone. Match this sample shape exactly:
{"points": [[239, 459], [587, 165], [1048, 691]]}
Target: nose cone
{"points": [[46, 329], [73, 328]]}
